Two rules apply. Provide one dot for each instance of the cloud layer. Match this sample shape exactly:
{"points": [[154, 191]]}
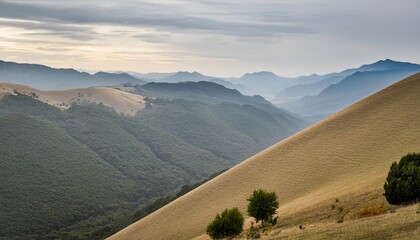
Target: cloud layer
{"points": [[211, 36]]}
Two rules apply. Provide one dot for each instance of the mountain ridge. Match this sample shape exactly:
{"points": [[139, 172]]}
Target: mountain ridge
{"points": [[48, 78]]}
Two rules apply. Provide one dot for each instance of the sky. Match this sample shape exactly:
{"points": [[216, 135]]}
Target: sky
{"points": [[215, 37]]}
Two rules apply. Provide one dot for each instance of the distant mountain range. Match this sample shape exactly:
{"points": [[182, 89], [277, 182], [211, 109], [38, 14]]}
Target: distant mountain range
{"points": [[314, 84], [47, 78], [264, 83], [198, 77], [360, 83], [302, 95]]}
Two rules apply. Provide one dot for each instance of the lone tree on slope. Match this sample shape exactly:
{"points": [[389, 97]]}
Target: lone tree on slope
{"points": [[403, 182], [262, 205]]}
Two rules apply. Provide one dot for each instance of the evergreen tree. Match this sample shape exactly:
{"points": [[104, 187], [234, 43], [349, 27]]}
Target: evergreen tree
{"points": [[403, 182]]}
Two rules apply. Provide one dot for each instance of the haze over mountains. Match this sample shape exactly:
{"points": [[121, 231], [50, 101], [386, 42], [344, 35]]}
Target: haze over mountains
{"points": [[150, 139], [46, 78], [358, 84], [345, 157], [314, 97]]}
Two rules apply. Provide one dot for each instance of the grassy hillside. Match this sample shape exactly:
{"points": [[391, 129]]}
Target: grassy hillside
{"points": [[121, 101], [49, 180], [346, 156]]}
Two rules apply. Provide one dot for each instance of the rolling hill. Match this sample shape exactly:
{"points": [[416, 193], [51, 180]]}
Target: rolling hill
{"points": [[123, 102], [47, 78], [346, 156]]}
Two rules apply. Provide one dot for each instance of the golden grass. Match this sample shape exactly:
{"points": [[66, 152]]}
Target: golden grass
{"points": [[403, 224], [373, 210], [346, 156], [123, 102]]}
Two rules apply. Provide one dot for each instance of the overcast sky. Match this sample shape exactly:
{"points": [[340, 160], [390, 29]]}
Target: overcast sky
{"points": [[214, 37]]}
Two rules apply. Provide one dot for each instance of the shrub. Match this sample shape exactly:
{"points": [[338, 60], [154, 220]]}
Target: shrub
{"points": [[372, 210], [226, 225], [262, 205], [403, 182]]}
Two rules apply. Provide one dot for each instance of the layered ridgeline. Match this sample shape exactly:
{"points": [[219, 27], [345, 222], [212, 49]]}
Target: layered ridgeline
{"points": [[314, 84], [121, 101], [80, 171], [341, 90], [226, 101], [47, 78], [346, 156]]}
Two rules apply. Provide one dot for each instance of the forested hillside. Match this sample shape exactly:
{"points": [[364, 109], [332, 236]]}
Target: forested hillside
{"points": [[97, 164]]}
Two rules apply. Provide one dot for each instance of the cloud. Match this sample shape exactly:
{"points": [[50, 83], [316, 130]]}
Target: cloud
{"points": [[66, 31], [221, 37], [164, 16]]}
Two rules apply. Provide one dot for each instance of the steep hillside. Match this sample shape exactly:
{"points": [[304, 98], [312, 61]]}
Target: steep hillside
{"points": [[65, 181], [47, 78], [348, 154], [123, 102]]}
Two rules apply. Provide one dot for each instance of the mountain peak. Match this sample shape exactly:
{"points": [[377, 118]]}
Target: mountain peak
{"points": [[183, 73], [388, 64], [259, 74]]}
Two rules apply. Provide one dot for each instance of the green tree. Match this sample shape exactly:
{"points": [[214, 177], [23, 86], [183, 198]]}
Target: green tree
{"points": [[262, 205], [403, 182], [226, 225]]}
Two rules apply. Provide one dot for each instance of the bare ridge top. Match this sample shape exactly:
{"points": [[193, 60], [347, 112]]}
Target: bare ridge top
{"points": [[123, 102], [347, 153]]}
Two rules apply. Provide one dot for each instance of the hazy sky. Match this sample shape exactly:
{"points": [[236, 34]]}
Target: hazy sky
{"points": [[215, 37]]}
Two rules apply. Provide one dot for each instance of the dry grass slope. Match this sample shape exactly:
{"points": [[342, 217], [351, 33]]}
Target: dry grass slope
{"points": [[345, 156], [123, 102]]}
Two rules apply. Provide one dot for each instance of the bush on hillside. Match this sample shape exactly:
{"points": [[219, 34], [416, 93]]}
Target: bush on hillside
{"points": [[403, 182], [262, 205], [226, 225]]}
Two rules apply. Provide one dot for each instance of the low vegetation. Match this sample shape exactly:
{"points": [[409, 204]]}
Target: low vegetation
{"points": [[226, 225], [372, 210], [263, 205], [403, 182]]}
